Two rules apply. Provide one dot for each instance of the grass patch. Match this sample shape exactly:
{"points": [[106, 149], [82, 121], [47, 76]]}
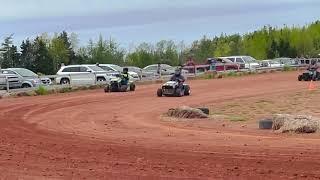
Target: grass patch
{"points": [[288, 68], [41, 91], [237, 118], [232, 105], [232, 74], [65, 90]]}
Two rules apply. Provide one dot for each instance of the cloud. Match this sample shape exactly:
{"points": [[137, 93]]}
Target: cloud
{"points": [[145, 16]]}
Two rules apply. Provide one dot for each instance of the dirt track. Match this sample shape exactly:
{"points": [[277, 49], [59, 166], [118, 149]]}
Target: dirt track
{"points": [[92, 135]]}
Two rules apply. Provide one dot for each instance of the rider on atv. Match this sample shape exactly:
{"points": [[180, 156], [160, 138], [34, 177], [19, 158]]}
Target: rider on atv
{"points": [[313, 68], [178, 77], [125, 76]]}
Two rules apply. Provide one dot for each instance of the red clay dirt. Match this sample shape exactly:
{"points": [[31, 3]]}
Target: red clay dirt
{"points": [[93, 135]]}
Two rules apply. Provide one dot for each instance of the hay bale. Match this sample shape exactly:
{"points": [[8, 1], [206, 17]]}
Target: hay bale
{"points": [[295, 123], [186, 112]]}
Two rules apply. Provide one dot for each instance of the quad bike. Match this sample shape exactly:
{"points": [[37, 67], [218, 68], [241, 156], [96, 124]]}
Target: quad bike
{"points": [[308, 76], [173, 88], [116, 85]]}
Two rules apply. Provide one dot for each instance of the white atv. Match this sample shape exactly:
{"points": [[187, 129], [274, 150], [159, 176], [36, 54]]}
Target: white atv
{"points": [[172, 88], [115, 85]]}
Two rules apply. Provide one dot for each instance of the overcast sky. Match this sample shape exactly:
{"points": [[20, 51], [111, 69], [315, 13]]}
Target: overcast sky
{"points": [[133, 21]]}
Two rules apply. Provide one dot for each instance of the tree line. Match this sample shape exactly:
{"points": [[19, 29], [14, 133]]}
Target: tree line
{"points": [[45, 54]]}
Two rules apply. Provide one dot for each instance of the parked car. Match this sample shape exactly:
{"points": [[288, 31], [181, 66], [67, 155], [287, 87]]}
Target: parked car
{"points": [[287, 61], [270, 63], [82, 74], [28, 78], [13, 79], [165, 69], [141, 72], [222, 64], [116, 68], [245, 62]]}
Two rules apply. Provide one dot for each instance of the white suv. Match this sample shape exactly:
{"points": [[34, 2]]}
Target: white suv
{"points": [[82, 75], [245, 62]]}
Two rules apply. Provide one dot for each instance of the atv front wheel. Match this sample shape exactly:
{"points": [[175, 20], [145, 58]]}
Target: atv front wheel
{"points": [[300, 78], [159, 93]]}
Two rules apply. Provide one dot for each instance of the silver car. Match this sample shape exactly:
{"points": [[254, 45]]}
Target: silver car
{"points": [[165, 69], [27, 77], [141, 72], [115, 68], [11, 79]]}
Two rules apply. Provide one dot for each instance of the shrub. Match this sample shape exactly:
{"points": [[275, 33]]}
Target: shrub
{"points": [[41, 91]]}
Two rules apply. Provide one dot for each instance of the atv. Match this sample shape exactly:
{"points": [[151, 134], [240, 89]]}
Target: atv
{"points": [[307, 76], [172, 88], [116, 85]]}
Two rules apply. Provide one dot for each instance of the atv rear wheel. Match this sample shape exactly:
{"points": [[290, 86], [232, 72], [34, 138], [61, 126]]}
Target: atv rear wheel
{"points": [[132, 87], [107, 89], [187, 90], [159, 93]]}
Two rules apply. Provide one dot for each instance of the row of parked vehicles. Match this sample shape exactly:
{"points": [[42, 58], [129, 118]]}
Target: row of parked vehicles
{"points": [[91, 73], [95, 73], [237, 62], [78, 75]]}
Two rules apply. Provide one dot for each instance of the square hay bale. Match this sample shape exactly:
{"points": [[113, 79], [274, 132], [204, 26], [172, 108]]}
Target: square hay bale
{"points": [[295, 123]]}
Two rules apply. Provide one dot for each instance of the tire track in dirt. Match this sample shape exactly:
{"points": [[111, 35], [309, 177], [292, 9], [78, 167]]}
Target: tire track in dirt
{"points": [[120, 135]]}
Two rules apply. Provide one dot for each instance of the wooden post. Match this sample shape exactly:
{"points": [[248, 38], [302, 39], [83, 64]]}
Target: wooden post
{"points": [[8, 84]]}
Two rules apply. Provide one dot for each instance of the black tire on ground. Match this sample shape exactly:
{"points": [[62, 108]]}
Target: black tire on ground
{"points": [[107, 89], [64, 81], [26, 85], [300, 77], [205, 110], [159, 92], [132, 87], [187, 90], [265, 124]]}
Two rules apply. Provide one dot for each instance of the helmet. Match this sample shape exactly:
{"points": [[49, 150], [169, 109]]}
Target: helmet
{"points": [[125, 70], [313, 62], [177, 72]]}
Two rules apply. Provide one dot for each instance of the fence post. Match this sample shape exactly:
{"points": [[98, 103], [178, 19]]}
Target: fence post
{"points": [[140, 74], [8, 84], [70, 84]]}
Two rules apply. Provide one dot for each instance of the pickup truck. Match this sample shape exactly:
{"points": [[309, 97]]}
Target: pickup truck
{"points": [[14, 81]]}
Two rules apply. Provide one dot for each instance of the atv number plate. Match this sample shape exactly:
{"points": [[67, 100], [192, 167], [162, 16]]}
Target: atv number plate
{"points": [[168, 91]]}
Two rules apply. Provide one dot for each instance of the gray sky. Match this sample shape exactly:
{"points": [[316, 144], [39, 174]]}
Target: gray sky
{"points": [[134, 21]]}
